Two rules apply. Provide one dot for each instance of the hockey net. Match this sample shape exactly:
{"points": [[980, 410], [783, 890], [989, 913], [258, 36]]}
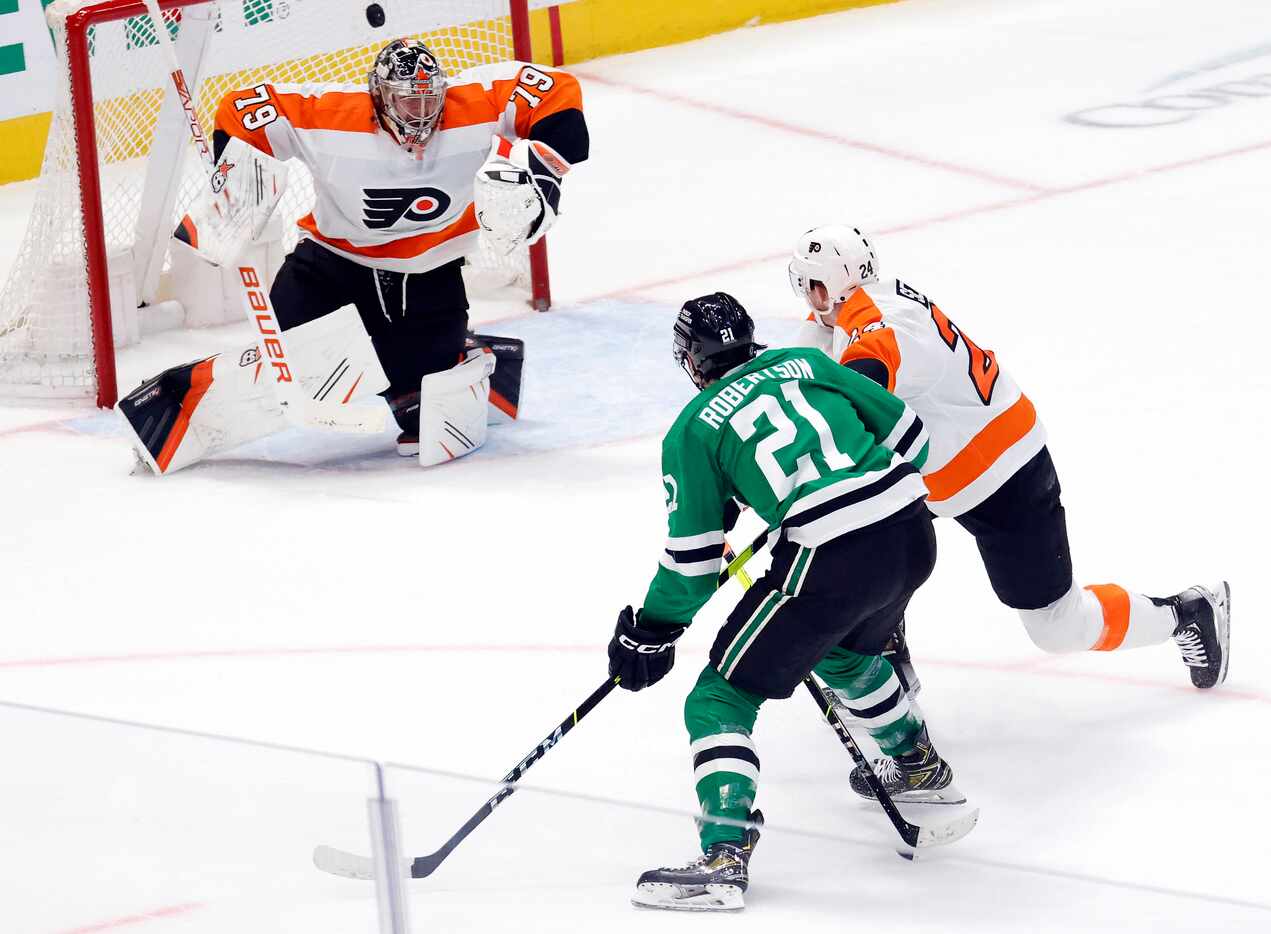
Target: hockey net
{"points": [[51, 307]]}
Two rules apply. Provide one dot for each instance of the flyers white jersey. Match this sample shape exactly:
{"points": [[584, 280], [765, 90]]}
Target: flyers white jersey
{"points": [[377, 204], [982, 427]]}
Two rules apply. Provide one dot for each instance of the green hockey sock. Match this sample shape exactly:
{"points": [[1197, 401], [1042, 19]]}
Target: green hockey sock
{"points": [[868, 687], [720, 718]]}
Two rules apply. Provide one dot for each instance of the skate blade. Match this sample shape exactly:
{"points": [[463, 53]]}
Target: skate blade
{"points": [[949, 794], [670, 897], [1222, 621]]}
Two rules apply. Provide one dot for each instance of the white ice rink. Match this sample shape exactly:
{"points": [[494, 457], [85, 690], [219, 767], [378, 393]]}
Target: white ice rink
{"points": [[321, 592]]}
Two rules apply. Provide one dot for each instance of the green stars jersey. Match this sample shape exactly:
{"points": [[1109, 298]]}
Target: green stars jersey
{"points": [[809, 445]]}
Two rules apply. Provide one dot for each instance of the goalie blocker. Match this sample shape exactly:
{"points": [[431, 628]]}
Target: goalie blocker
{"points": [[232, 210]]}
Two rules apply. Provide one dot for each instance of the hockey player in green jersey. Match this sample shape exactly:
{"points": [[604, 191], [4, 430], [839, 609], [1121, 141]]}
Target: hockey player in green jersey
{"points": [[831, 460]]}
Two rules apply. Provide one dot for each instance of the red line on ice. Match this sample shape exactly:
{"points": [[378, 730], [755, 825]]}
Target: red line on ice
{"points": [[1037, 666], [159, 914], [775, 124], [636, 291]]}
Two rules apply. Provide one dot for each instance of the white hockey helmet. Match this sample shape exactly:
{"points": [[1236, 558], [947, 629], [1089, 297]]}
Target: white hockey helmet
{"points": [[837, 257]]}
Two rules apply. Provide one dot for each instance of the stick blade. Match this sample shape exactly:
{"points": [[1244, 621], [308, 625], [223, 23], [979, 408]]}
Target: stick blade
{"points": [[949, 832], [342, 863]]}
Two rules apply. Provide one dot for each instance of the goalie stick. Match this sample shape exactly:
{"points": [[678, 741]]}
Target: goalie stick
{"points": [[916, 836], [353, 866], [298, 408]]}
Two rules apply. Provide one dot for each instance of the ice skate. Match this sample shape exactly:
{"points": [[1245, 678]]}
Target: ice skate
{"points": [[917, 777], [408, 444], [715, 881], [1204, 632]]}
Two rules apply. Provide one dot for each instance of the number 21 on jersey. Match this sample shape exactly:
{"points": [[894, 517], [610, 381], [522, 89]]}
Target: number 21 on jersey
{"points": [[745, 424]]}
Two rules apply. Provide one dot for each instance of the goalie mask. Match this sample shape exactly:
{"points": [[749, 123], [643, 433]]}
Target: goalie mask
{"points": [[829, 264], [408, 90], [713, 334]]}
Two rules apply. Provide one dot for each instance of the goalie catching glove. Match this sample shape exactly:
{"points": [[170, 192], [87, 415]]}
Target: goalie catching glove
{"points": [[231, 210], [640, 656], [517, 193]]}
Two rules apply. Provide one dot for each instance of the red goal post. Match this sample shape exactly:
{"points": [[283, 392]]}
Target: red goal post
{"points": [[105, 209]]}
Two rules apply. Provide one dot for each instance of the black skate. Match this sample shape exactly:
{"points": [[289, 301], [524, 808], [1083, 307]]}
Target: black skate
{"points": [[917, 777], [715, 881], [896, 651], [406, 412], [1204, 632]]}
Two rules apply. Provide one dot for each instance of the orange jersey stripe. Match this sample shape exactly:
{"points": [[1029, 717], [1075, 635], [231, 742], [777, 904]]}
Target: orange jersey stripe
{"points": [[982, 451], [350, 111], [1116, 616], [469, 105], [404, 248], [857, 314], [200, 380]]}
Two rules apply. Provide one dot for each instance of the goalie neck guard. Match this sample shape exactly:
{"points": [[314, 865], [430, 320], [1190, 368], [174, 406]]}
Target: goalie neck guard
{"points": [[713, 334], [408, 89]]}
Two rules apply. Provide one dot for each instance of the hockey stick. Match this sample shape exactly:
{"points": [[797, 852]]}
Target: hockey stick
{"points": [[736, 562], [352, 866], [296, 406], [915, 835]]}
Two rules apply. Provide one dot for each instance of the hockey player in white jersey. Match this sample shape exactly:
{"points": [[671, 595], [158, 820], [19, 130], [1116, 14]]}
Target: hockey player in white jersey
{"points": [[409, 170], [989, 467]]}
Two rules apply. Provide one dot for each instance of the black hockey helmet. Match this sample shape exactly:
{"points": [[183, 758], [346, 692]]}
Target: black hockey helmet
{"points": [[713, 334]]}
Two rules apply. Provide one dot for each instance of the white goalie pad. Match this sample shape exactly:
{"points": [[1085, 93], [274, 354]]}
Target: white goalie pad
{"points": [[454, 409], [334, 364], [318, 367], [232, 210], [190, 412], [516, 192]]}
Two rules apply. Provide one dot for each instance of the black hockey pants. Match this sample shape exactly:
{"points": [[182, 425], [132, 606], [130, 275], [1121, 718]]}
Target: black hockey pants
{"points": [[850, 592], [417, 321]]}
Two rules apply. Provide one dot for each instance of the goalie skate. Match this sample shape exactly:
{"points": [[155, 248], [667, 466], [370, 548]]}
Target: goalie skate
{"points": [[715, 881]]}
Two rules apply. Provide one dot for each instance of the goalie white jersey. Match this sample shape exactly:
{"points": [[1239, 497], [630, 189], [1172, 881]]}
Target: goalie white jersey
{"points": [[376, 203], [982, 426]]}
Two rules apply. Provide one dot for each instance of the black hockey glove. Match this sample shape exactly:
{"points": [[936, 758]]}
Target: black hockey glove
{"points": [[641, 656]]}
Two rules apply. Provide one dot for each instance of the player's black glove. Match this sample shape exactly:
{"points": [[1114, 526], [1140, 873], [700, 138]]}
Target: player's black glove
{"points": [[732, 512], [641, 656]]}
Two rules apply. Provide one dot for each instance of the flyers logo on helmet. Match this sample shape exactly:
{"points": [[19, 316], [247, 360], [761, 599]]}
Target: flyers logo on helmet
{"points": [[384, 207]]}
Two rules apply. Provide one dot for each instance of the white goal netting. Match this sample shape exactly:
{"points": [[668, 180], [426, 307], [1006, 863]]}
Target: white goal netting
{"points": [[149, 171]]}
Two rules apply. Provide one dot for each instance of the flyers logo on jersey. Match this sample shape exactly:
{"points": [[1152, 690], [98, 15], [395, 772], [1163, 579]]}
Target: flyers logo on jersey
{"points": [[384, 207]]}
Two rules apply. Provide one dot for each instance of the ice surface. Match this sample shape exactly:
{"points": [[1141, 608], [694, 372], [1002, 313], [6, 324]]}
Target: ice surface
{"points": [[319, 591]]}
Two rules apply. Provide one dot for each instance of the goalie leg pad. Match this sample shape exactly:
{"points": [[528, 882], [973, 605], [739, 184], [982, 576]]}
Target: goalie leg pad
{"points": [[506, 381], [454, 409], [190, 412], [333, 358]]}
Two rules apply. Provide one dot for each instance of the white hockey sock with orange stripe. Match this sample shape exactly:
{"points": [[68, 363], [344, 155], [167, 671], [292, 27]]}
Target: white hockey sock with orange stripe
{"points": [[1101, 618]]}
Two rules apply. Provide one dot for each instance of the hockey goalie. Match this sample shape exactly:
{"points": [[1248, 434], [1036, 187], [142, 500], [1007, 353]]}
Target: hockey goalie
{"points": [[409, 171]]}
